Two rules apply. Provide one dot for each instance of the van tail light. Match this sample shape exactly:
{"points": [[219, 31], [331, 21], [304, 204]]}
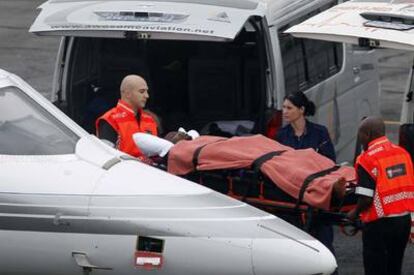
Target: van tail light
{"points": [[273, 124], [138, 16]]}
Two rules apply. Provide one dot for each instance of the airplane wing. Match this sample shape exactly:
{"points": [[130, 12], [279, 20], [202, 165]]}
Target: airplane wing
{"points": [[371, 24]]}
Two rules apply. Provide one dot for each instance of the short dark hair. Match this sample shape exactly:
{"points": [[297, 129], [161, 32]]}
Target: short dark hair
{"points": [[299, 99]]}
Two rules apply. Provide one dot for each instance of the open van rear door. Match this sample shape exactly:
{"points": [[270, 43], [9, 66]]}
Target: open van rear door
{"points": [[373, 24], [205, 20], [368, 24]]}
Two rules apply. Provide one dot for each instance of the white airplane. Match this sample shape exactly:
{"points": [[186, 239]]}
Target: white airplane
{"points": [[70, 204]]}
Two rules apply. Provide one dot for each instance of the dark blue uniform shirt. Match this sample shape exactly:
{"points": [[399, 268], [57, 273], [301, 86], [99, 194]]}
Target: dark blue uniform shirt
{"points": [[315, 136]]}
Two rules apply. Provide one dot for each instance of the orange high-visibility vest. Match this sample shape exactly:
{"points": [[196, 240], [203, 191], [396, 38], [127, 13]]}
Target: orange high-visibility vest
{"points": [[392, 169], [122, 118]]}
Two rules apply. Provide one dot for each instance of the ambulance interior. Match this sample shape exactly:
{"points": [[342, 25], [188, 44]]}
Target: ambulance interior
{"points": [[191, 83]]}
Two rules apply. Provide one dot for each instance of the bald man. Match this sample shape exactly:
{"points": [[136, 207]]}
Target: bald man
{"points": [[119, 123], [386, 198]]}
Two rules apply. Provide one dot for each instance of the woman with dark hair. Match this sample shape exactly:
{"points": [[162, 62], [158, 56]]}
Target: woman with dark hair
{"points": [[302, 134]]}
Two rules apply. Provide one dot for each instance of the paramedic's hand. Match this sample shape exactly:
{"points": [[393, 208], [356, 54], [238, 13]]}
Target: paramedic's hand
{"points": [[352, 228], [352, 215]]}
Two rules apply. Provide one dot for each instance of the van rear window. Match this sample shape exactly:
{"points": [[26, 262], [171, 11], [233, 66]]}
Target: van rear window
{"points": [[307, 62]]}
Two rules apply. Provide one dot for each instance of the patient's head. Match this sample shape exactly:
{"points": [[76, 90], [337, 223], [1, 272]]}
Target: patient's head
{"points": [[151, 145], [175, 137]]}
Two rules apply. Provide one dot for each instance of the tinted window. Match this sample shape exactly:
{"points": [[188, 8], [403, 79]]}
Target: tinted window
{"points": [[293, 63], [27, 129], [307, 62]]}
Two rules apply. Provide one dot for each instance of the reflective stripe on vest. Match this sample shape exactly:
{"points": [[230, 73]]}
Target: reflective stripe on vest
{"points": [[123, 120], [391, 167]]}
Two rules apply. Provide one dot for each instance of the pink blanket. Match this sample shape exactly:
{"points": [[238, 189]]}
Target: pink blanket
{"points": [[288, 170]]}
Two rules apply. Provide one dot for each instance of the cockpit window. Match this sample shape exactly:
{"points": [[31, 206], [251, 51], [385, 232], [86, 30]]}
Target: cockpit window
{"points": [[28, 129]]}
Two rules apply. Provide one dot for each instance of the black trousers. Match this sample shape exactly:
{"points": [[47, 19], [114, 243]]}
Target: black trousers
{"points": [[384, 242]]}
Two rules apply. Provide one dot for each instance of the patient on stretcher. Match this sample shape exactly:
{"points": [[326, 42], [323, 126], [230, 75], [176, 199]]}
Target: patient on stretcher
{"points": [[303, 174]]}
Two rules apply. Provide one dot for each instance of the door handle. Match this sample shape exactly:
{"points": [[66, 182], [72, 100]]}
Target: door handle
{"points": [[82, 261]]}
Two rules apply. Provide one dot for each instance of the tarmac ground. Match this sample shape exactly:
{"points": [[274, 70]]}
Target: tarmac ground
{"points": [[32, 58]]}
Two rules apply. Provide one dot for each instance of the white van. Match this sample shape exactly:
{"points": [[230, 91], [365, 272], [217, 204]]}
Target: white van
{"points": [[205, 61]]}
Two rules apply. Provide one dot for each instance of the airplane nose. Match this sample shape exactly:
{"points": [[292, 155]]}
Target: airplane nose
{"points": [[291, 257]]}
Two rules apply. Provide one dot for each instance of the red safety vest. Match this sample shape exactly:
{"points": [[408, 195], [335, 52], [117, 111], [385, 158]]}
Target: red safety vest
{"points": [[123, 119], [392, 169]]}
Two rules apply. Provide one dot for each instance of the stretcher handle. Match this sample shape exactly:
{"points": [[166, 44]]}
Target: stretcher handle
{"points": [[347, 226], [351, 228]]}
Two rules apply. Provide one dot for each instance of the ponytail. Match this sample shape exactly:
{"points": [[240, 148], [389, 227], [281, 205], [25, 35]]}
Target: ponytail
{"points": [[299, 99], [310, 108]]}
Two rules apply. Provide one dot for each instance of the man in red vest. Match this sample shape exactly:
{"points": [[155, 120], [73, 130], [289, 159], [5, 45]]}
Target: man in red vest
{"points": [[128, 117], [386, 199]]}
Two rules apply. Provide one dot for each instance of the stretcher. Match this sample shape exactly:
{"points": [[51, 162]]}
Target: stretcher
{"points": [[254, 175], [256, 189]]}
